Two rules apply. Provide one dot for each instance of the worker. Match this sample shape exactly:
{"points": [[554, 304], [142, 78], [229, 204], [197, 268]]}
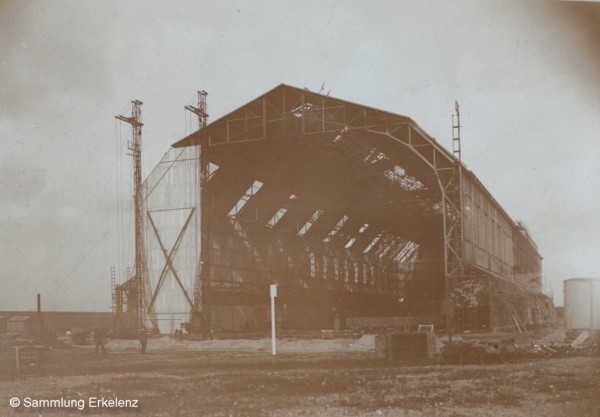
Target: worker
{"points": [[143, 340], [99, 340]]}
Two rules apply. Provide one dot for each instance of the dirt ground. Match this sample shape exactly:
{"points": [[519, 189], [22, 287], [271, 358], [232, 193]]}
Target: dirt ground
{"points": [[170, 381]]}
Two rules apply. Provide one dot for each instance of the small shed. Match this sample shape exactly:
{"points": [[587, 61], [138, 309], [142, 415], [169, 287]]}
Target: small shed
{"points": [[24, 326]]}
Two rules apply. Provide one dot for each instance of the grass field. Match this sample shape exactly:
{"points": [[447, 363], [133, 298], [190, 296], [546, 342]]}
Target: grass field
{"points": [[185, 383]]}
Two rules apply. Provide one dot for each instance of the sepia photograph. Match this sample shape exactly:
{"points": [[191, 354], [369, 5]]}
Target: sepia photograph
{"points": [[318, 208]]}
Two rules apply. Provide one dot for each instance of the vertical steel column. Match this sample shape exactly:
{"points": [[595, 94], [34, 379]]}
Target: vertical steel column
{"points": [[204, 267]]}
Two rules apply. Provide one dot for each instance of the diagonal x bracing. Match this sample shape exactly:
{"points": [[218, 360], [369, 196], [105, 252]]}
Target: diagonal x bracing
{"points": [[169, 260]]}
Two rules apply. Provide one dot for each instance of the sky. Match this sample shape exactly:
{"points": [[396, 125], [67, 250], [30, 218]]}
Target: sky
{"points": [[526, 75]]}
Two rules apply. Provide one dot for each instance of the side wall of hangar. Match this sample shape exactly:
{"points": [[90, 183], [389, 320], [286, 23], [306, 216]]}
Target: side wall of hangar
{"points": [[352, 211]]}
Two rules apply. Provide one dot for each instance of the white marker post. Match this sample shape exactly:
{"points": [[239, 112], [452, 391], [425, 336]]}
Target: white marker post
{"points": [[273, 340], [17, 360]]}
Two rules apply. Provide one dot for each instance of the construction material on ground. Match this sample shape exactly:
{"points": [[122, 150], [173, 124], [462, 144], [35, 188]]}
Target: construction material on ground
{"points": [[396, 346]]}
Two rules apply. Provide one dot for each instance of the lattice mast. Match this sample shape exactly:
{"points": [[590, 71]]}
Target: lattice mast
{"points": [[199, 318], [456, 131], [135, 146], [113, 289], [453, 233], [200, 109]]}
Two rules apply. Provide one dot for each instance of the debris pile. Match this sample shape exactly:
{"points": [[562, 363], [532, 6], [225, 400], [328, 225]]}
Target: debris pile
{"points": [[575, 342], [478, 351], [484, 348]]}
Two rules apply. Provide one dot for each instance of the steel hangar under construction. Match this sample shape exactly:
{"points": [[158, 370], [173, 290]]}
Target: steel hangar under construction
{"points": [[354, 212]]}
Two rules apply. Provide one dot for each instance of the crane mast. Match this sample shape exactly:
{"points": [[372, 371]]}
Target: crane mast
{"points": [[134, 287]]}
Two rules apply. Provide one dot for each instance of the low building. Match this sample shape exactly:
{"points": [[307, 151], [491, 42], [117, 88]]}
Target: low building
{"points": [[24, 326]]}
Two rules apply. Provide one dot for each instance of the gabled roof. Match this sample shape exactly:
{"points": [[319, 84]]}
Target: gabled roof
{"points": [[354, 115], [337, 115]]}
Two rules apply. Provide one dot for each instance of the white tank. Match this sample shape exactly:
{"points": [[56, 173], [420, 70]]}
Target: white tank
{"points": [[582, 303]]}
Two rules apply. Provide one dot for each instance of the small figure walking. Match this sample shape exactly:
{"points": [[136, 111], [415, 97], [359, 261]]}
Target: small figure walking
{"points": [[99, 340], [143, 340], [207, 329], [178, 334]]}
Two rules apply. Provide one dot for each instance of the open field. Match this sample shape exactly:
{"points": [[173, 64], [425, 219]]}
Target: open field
{"points": [[168, 382]]}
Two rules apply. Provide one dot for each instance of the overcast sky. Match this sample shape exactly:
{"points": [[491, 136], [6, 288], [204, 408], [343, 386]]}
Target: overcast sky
{"points": [[527, 77]]}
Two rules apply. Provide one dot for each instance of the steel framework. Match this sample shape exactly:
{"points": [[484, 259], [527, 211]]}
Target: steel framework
{"points": [[353, 211]]}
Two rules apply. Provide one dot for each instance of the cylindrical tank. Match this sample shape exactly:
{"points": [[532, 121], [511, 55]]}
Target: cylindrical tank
{"points": [[582, 303]]}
